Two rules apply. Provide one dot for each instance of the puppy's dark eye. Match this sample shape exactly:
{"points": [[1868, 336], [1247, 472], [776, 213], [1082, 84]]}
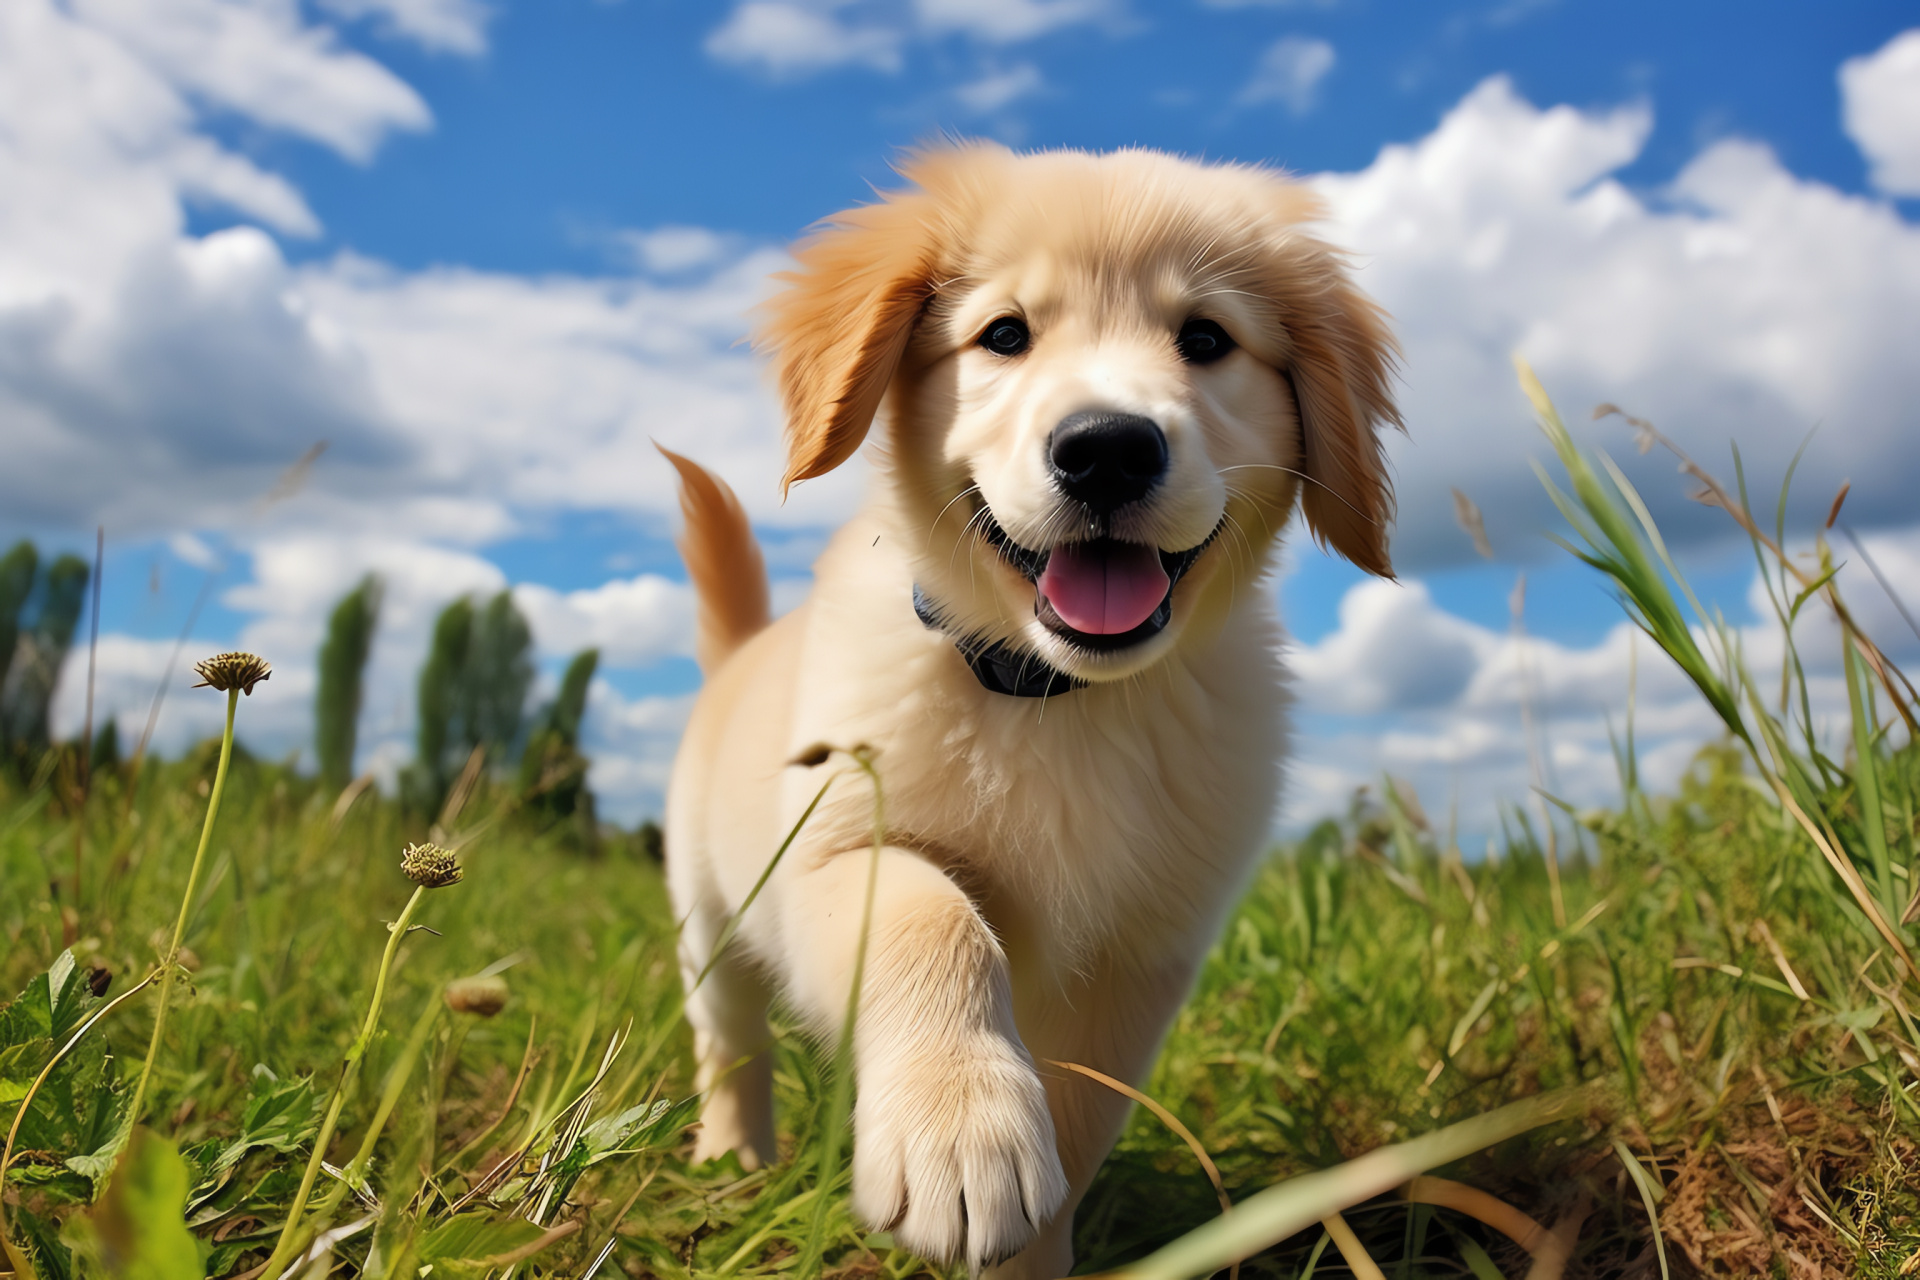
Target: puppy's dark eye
{"points": [[1007, 336], [1203, 342]]}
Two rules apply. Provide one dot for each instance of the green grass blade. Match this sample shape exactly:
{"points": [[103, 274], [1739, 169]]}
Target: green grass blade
{"points": [[1293, 1206], [1866, 782], [840, 1100], [1618, 550], [1650, 1196]]}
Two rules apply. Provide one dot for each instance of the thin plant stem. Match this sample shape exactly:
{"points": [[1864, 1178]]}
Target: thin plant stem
{"points": [[356, 1171], [841, 1100], [170, 963], [85, 789], [398, 931], [292, 1234]]}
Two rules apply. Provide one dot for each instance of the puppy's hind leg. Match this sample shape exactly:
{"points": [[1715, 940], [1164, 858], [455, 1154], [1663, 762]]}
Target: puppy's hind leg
{"points": [[732, 1047]]}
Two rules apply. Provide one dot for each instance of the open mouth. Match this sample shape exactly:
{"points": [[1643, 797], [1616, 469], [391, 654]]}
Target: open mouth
{"points": [[1102, 594]]}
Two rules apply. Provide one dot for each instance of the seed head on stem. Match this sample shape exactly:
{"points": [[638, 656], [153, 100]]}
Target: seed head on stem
{"points": [[231, 674], [229, 671], [430, 866]]}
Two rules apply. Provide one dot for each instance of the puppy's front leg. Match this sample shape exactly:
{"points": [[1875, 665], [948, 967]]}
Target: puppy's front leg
{"points": [[953, 1143]]}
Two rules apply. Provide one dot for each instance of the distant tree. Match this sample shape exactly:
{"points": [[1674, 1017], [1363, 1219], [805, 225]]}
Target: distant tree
{"points": [[473, 689], [17, 570], [44, 629], [343, 664], [569, 707], [106, 750], [425, 784], [498, 676], [650, 840], [553, 772]]}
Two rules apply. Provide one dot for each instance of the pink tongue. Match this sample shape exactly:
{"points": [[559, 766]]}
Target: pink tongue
{"points": [[1104, 588]]}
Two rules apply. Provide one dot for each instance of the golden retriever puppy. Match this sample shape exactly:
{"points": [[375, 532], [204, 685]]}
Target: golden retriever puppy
{"points": [[1102, 382]]}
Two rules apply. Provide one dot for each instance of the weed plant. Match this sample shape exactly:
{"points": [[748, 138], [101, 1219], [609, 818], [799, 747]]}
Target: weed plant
{"points": [[1702, 1006]]}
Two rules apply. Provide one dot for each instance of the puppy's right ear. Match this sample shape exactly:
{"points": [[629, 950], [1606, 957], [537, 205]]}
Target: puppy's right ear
{"points": [[842, 323]]}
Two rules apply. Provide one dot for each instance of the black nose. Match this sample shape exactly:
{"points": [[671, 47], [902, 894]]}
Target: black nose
{"points": [[1106, 460]]}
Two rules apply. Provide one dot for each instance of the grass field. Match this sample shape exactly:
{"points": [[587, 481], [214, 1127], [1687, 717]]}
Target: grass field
{"points": [[1724, 964]]}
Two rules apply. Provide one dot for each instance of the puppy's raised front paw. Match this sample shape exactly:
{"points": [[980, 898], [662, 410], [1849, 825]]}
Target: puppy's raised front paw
{"points": [[954, 1150]]}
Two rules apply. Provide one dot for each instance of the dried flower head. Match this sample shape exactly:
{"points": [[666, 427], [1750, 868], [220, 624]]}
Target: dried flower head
{"points": [[227, 671], [430, 865], [483, 995]]}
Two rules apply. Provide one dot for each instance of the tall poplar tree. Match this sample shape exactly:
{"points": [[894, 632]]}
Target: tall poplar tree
{"points": [[343, 665], [43, 627], [473, 689], [553, 772]]}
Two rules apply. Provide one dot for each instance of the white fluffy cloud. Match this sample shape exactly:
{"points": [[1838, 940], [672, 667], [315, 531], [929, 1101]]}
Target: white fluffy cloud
{"points": [[548, 394], [631, 743], [262, 60], [1007, 21], [789, 39], [1741, 303], [998, 89], [794, 38], [632, 621], [451, 26], [1403, 687], [156, 380], [1289, 73], [1882, 111]]}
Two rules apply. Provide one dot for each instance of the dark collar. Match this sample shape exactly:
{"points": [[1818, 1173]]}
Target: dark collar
{"points": [[999, 667]]}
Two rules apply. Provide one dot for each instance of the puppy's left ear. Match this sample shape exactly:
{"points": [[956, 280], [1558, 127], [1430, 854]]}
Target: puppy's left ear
{"points": [[842, 323], [1340, 363]]}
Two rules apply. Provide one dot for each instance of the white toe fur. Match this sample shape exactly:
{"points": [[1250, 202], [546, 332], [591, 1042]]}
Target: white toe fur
{"points": [[954, 1150]]}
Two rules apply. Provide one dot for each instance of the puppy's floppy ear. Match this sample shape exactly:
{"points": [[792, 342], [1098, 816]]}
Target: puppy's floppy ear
{"points": [[843, 321], [1340, 363]]}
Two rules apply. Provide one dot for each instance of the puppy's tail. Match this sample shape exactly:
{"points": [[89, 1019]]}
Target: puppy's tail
{"points": [[729, 575]]}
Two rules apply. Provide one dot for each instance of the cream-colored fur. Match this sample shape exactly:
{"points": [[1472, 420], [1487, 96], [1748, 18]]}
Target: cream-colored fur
{"points": [[1054, 869]]}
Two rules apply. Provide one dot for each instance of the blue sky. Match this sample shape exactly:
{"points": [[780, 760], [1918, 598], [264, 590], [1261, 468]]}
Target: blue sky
{"points": [[586, 117], [487, 249]]}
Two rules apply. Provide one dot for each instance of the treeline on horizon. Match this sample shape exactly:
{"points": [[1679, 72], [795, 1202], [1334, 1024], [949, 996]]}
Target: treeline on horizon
{"points": [[472, 696]]}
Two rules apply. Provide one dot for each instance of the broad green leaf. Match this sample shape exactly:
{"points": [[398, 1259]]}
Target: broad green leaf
{"points": [[281, 1114], [28, 1017], [138, 1230], [76, 1110], [98, 1164]]}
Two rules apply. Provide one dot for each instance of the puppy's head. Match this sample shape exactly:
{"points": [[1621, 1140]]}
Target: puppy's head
{"points": [[1107, 379]]}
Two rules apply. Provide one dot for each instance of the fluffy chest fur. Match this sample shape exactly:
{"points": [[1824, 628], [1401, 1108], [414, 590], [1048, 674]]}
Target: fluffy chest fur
{"points": [[1122, 810]]}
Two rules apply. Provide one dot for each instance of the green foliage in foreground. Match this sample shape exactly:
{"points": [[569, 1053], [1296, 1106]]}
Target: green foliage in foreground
{"points": [[1370, 988]]}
